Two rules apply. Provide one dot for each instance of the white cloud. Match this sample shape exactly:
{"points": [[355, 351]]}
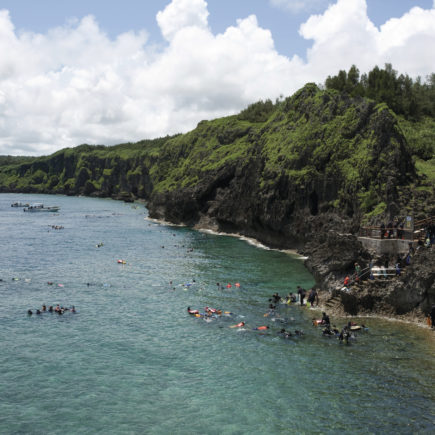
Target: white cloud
{"points": [[74, 85], [181, 14], [296, 6], [344, 35]]}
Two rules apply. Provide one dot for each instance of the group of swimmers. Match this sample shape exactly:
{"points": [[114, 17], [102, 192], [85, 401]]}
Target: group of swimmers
{"points": [[213, 313], [57, 227], [57, 309], [347, 332]]}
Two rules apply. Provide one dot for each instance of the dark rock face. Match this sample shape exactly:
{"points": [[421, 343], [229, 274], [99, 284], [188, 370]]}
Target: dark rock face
{"points": [[413, 292]]}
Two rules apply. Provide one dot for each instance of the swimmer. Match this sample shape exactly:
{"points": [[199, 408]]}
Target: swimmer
{"points": [[190, 311], [276, 297], [327, 331], [239, 325], [44, 308], [344, 335], [284, 334], [261, 328], [38, 312], [29, 312], [50, 309], [297, 332], [73, 309]]}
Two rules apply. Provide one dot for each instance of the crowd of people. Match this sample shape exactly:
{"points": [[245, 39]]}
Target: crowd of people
{"points": [[344, 335]]}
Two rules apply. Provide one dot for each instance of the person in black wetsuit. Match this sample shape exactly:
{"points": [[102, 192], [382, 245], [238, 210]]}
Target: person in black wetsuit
{"points": [[301, 293], [276, 298], [325, 319], [312, 297]]}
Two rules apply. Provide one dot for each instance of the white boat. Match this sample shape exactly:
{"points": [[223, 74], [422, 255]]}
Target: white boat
{"points": [[19, 204], [40, 207]]}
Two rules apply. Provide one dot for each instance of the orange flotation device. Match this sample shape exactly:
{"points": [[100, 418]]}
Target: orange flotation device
{"points": [[262, 328], [229, 285], [237, 284]]}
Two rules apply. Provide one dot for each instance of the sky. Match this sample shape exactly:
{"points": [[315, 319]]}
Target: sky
{"points": [[108, 72]]}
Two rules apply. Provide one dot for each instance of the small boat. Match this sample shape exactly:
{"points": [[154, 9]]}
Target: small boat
{"points": [[41, 207], [19, 204]]}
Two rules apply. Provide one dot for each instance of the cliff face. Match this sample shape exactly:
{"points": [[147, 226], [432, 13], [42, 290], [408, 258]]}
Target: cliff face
{"points": [[319, 161]]}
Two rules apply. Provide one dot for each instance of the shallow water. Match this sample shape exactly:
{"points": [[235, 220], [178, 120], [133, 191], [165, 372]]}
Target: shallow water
{"points": [[133, 361]]}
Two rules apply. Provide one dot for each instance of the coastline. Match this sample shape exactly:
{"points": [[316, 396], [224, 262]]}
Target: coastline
{"points": [[251, 241], [411, 318]]}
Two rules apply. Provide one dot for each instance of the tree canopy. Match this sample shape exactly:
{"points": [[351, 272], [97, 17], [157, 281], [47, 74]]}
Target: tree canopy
{"points": [[413, 99]]}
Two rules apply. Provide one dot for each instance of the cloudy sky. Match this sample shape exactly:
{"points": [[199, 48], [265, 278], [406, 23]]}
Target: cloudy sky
{"points": [[106, 72]]}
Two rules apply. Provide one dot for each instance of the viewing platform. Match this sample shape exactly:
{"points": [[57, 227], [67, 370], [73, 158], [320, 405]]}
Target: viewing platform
{"points": [[395, 240]]}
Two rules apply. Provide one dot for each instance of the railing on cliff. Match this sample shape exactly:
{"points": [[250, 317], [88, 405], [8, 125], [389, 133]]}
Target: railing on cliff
{"points": [[411, 231]]}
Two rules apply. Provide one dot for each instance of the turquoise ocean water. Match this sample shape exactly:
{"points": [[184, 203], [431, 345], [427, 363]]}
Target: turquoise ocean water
{"points": [[132, 361]]}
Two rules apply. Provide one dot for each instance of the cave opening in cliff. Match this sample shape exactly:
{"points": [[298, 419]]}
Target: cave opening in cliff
{"points": [[313, 202]]}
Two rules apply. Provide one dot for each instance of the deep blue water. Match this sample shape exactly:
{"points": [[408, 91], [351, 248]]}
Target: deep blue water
{"points": [[133, 361]]}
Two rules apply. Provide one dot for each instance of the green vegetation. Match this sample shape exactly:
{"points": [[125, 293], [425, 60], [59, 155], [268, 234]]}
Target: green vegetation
{"points": [[410, 98], [343, 148]]}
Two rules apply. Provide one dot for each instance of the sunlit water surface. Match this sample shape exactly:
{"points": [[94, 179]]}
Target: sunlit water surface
{"points": [[133, 361]]}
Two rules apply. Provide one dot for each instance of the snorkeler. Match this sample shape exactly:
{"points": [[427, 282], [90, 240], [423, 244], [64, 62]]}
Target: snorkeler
{"points": [[284, 334], [239, 325]]}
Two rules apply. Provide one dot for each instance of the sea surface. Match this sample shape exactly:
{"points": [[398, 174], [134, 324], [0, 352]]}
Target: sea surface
{"points": [[133, 361]]}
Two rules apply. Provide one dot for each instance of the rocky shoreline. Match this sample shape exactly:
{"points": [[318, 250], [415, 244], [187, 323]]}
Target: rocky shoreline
{"points": [[331, 256]]}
